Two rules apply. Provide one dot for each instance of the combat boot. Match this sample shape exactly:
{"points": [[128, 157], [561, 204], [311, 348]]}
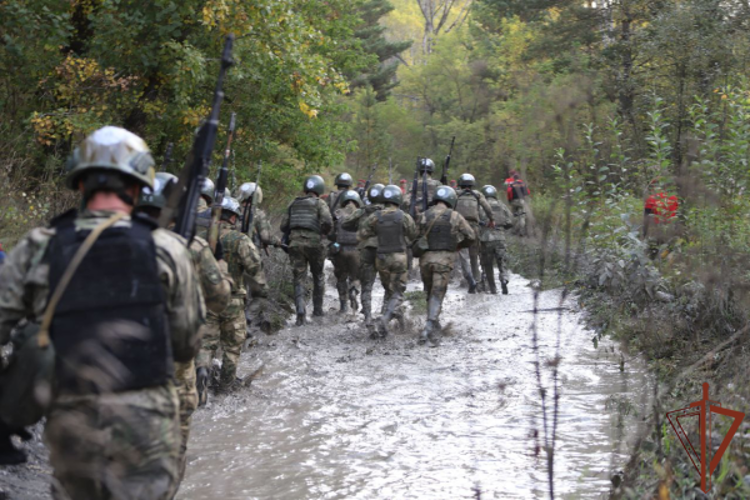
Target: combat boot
{"points": [[299, 303], [353, 292], [201, 382], [431, 330], [318, 291], [472, 284], [344, 306], [504, 286], [9, 454]]}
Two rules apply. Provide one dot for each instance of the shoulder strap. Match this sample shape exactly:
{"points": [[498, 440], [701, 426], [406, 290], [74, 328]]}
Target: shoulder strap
{"points": [[49, 312], [434, 221]]}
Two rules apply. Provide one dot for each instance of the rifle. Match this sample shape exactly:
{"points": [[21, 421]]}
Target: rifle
{"points": [[221, 186], [182, 201], [424, 191], [363, 195], [414, 187], [390, 170], [444, 177], [167, 157]]}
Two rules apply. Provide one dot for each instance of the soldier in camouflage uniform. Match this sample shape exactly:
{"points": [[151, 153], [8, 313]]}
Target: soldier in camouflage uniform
{"points": [[492, 240], [344, 254], [228, 328], [445, 232], [395, 230], [425, 166], [367, 248], [256, 309], [113, 429], [216, 287], [343, 183], [306, 221], [470, 204]]}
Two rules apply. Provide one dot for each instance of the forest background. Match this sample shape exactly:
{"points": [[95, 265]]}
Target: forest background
{"points": [[597, 103]]}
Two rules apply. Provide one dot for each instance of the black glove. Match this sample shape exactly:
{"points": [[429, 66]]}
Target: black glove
{"points": [[219, 253]]}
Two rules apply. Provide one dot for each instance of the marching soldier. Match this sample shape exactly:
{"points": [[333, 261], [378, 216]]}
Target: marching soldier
{"points": [[228, 328], [428, 166], [306, 221], [113, 429], [442, 232], [343, 183], [517, 192], [344, 253], [216, 287], [469, 204], [395, 230], [260, 232], [367, 248], [493, 246]]}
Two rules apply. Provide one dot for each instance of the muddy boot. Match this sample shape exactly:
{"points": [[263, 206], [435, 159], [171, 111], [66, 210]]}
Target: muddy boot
{"points": [[493, 288], [431, 330], [318, 292], [504, 286], [353, 292], [9, 454], [472, 284], [299, 303], [201, 382]]}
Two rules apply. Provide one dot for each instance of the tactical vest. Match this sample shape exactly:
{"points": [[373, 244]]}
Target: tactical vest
{"points": [[468, 205], [499, 212], [441, 238], [431, 190], [202, 223], [390, 231], [303, 214], [343, 237], [110, 329], [519, 190]]}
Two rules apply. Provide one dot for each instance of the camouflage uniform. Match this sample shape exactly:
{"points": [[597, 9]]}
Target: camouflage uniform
{"points": [[470, 205], [432, 186], [517, 192], [346, 261], [228, 328], [123, 444], [306, 247], [493, 246], [256, 306], [391, 255], [367, 255], [216, 288], [437, 263]]}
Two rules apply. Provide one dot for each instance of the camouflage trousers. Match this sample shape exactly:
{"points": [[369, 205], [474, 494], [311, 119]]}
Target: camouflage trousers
{"points": [[123, 446], [187, 393], [518, 207], [256, 307], [436, 268], [469, 260], [367, 275], [228, 331], [393, 271], [346, 269], [313, 256], [494, 252]]}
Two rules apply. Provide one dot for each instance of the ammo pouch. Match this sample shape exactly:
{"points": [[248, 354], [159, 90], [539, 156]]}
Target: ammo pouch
{"points": [[26, 385], [420, 246]]}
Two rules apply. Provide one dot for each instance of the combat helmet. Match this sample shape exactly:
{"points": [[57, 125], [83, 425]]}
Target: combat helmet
{"points": [[115, 150], [314, 184], [231, 205], [351, 195], [343, 180], [157, 197], [392, 194], [466, 181], [426, 165], [447, 195], [208, 190], [489, 191], [249, 191], [376, 193]]}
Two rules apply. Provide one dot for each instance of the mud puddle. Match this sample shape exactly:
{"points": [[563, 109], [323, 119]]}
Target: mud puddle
{"points": [[337, 415]]}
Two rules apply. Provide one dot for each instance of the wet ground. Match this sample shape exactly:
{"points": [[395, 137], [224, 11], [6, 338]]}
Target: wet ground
{"points": [[334, 414]]}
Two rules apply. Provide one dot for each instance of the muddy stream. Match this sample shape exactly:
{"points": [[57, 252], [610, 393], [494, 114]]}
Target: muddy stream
{"points": [[334, 414]]}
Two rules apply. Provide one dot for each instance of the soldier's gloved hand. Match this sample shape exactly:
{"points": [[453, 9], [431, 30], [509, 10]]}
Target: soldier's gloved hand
{"points": [[491, 224]]}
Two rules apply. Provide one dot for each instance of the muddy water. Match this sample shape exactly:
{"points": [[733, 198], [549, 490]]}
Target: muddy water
{"points": [[336, 415]]}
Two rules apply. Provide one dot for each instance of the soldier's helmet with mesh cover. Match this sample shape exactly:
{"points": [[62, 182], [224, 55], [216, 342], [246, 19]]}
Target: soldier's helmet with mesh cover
{"points": [[112, 150], [466, 181], [246, 192], [447, 195], [208, 190], [352, 196], [376, 193], [392, 194], [426, 165], [314, 184], [489, 191], [343, 180], [231, 205], [157, 197]]}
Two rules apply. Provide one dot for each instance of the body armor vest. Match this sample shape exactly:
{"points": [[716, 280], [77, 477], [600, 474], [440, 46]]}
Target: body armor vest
{"points": [[441, 238], [431, 190], [390, 231], [343, 237], [303, 214], [110, 329], [468, 206], [498, 212]]}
